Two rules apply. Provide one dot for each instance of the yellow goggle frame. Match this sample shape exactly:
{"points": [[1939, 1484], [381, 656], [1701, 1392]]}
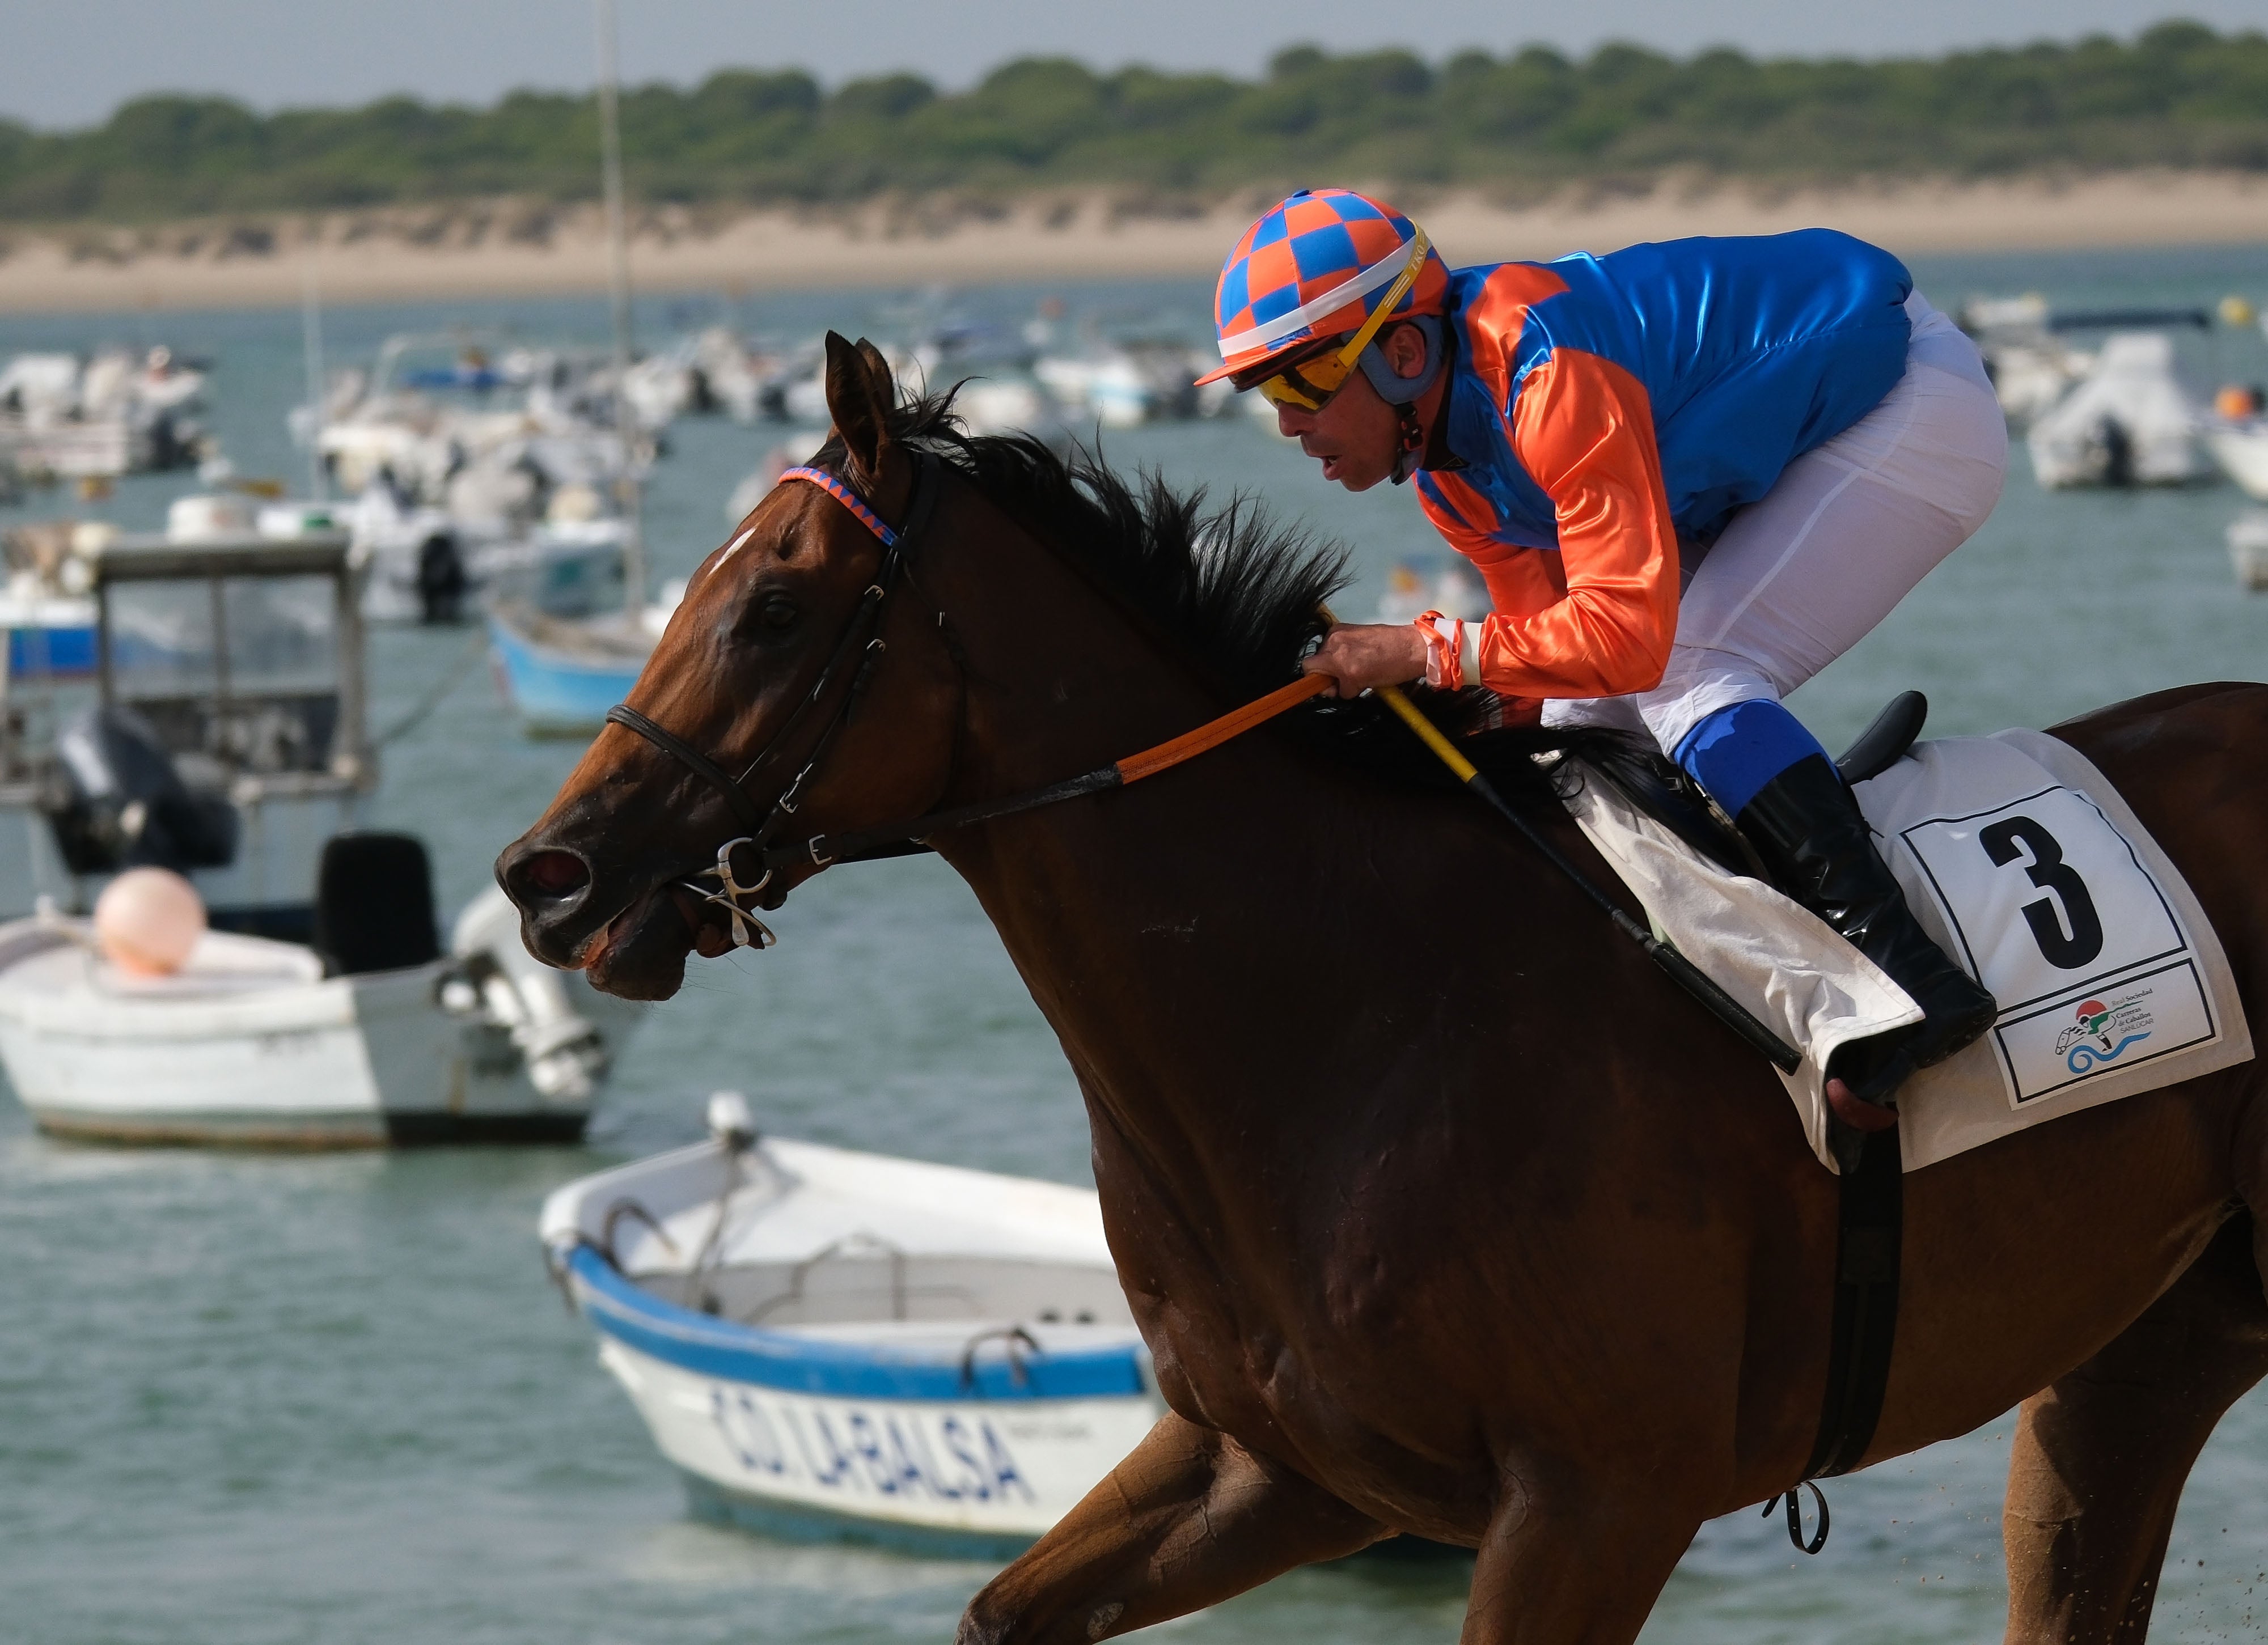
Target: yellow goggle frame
{"points": [[1309, 386]]}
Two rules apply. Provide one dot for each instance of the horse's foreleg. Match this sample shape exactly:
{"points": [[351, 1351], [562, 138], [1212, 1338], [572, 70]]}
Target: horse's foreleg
{"points": [[1579, 1563], [1189, 1518], [2101, 1457]]}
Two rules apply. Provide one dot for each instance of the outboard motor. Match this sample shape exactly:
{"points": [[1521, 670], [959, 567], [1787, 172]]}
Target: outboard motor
{"points": [[441, 580], [2117, 452], [375, 904], [121, 803]]}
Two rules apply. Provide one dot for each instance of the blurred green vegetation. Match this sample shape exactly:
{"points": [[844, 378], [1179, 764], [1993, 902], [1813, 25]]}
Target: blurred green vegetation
{"points": [[2179, 95]]}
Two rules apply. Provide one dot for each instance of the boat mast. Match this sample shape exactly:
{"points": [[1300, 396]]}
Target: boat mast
{"points": [[311, 346], [618, 290]]}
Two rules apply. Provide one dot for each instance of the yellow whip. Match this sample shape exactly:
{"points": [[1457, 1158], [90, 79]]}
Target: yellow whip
{"points": [[1683, 971]]}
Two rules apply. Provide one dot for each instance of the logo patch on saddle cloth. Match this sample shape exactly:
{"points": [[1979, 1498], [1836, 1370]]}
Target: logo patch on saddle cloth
{"points": [[2052, 909]]}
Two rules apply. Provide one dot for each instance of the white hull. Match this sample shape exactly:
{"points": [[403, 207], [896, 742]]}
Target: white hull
{"points": [[848, 1344], [2242, 451], [314, 1064], [997, 1473], [2248, 549], [287, 1059]]}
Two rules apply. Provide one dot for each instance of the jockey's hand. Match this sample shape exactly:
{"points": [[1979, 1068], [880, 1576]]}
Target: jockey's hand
{"points": [[1359, 656]]}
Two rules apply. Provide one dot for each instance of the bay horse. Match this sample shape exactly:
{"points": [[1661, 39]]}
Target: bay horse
{"points": [[1442, 1211]]}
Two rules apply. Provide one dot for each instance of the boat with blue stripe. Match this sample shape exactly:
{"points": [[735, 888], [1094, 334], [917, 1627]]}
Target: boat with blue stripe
{"points": [[560, 674], [830, 1343]]}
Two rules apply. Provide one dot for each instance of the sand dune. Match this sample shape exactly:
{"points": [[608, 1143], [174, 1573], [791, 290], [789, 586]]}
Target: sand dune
{"points": [[508, 249]]}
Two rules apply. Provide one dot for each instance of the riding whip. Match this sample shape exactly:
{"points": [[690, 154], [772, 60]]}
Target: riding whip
{"points": [[1683, 972]]}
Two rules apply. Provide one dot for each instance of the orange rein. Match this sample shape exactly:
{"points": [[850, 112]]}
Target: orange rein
{"points": [[896, 839], [1214, 733]]}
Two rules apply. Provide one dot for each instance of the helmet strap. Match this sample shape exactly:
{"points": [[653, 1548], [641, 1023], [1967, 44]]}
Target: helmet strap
{"points": [[1397, 389], [1413, 441]]}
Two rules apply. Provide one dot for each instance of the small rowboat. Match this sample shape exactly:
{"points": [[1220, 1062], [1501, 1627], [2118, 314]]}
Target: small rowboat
{"points": [[562, 674], [837, 1344]]}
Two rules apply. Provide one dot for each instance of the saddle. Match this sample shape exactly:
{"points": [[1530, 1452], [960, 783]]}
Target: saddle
{"points": [[1659, 786]]}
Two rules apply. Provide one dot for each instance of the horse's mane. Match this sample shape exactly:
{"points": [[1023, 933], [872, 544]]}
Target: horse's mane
{"points": [[1232, 589]]}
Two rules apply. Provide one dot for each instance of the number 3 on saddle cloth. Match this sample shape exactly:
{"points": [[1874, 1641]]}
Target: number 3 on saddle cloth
{"points": [[2026, 866]]}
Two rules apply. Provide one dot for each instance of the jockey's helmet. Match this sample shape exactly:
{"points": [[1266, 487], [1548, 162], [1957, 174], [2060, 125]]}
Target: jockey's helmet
{"points": [[1325, 265]]}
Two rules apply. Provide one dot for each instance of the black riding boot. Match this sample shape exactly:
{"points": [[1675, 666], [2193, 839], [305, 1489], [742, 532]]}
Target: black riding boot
{"points": [[1808, 829]]}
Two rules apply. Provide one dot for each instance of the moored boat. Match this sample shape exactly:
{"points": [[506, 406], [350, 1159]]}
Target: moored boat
{"points": [[222, 742], [562, 674], [2128, 423], [371, 1036], [2248, 549], [825, 1342], [249, 1043], [2240, 446]]}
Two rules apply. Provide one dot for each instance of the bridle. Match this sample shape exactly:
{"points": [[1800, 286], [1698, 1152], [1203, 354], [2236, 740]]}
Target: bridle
{"points": [[859, 651], [859, 648]]}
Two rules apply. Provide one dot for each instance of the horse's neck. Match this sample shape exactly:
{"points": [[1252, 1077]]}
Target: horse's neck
{"points": [[1185, 937], [1061, 679]]}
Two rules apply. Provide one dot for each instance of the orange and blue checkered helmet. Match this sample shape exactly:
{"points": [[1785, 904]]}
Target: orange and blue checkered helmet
{"points": [[1313, 268]]}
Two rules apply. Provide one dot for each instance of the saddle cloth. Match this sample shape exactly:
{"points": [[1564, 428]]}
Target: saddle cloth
{"points": [[2023, 862]]}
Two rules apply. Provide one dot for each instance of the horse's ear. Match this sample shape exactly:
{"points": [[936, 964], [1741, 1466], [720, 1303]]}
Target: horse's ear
{"points": [[877, 366], [860, 393]]}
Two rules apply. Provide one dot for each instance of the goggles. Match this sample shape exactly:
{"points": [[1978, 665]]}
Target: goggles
{"points": [[1311, 385]]}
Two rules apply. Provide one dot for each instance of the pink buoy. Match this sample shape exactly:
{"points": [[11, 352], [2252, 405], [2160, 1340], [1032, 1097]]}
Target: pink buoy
{"points": [[147, 922]]}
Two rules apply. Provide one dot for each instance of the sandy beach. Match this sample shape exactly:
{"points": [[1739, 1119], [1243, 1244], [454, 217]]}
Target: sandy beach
{"points": [[507, 248]]}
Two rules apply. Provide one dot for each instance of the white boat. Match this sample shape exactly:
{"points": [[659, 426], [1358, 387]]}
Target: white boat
{"points": [[489, 435], [2031, 367], [224, 738], [2129, 423], [833, 1343], [248, 1043], [2240, 446], [2248, 549], [97, 419], [259, 1043], [426, 564], [1121, 387]]}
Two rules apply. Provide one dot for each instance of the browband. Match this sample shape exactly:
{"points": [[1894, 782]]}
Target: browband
{"points": [[847, 497]]}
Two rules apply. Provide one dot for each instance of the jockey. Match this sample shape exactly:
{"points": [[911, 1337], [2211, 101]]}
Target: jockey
{"points": [[1691, 475]]}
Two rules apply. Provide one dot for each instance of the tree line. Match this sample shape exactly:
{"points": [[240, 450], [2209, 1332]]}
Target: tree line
{"points": [[2179, 95]]}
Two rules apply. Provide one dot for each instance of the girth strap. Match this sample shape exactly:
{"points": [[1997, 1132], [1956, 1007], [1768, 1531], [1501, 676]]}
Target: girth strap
{"points": [[1865, 1327], [1870, 1232]]}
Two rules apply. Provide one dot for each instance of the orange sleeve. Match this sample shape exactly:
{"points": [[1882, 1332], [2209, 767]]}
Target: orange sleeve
{"points": [[1583, 429]]}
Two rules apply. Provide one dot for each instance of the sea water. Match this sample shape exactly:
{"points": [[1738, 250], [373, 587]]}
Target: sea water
{"points": [[249, 1399]]}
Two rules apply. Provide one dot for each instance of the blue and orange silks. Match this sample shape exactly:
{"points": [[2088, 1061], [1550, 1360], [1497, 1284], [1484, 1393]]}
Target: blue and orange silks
{"points": [[1603, 409]]}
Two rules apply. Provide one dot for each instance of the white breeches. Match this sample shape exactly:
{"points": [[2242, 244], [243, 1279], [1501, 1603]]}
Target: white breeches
{"points": [[1799, 577]]}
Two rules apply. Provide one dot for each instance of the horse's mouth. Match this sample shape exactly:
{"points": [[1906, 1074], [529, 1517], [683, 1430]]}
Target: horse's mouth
{"points": [[640, 953]]}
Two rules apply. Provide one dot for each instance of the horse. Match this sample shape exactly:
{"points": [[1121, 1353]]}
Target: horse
{"points": [[1440, 1211]]}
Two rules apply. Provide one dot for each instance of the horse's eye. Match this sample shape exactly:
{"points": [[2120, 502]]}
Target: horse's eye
{"points": [[777, 612]]}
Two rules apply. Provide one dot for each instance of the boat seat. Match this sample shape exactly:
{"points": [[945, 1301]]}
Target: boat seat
{"points": [[375, 904]]}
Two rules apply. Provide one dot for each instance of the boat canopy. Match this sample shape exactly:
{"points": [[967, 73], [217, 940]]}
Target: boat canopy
{"points": [[241, 649]]}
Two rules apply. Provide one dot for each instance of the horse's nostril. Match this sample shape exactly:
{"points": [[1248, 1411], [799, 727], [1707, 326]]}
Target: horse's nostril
{"points": [[555, 873]]}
